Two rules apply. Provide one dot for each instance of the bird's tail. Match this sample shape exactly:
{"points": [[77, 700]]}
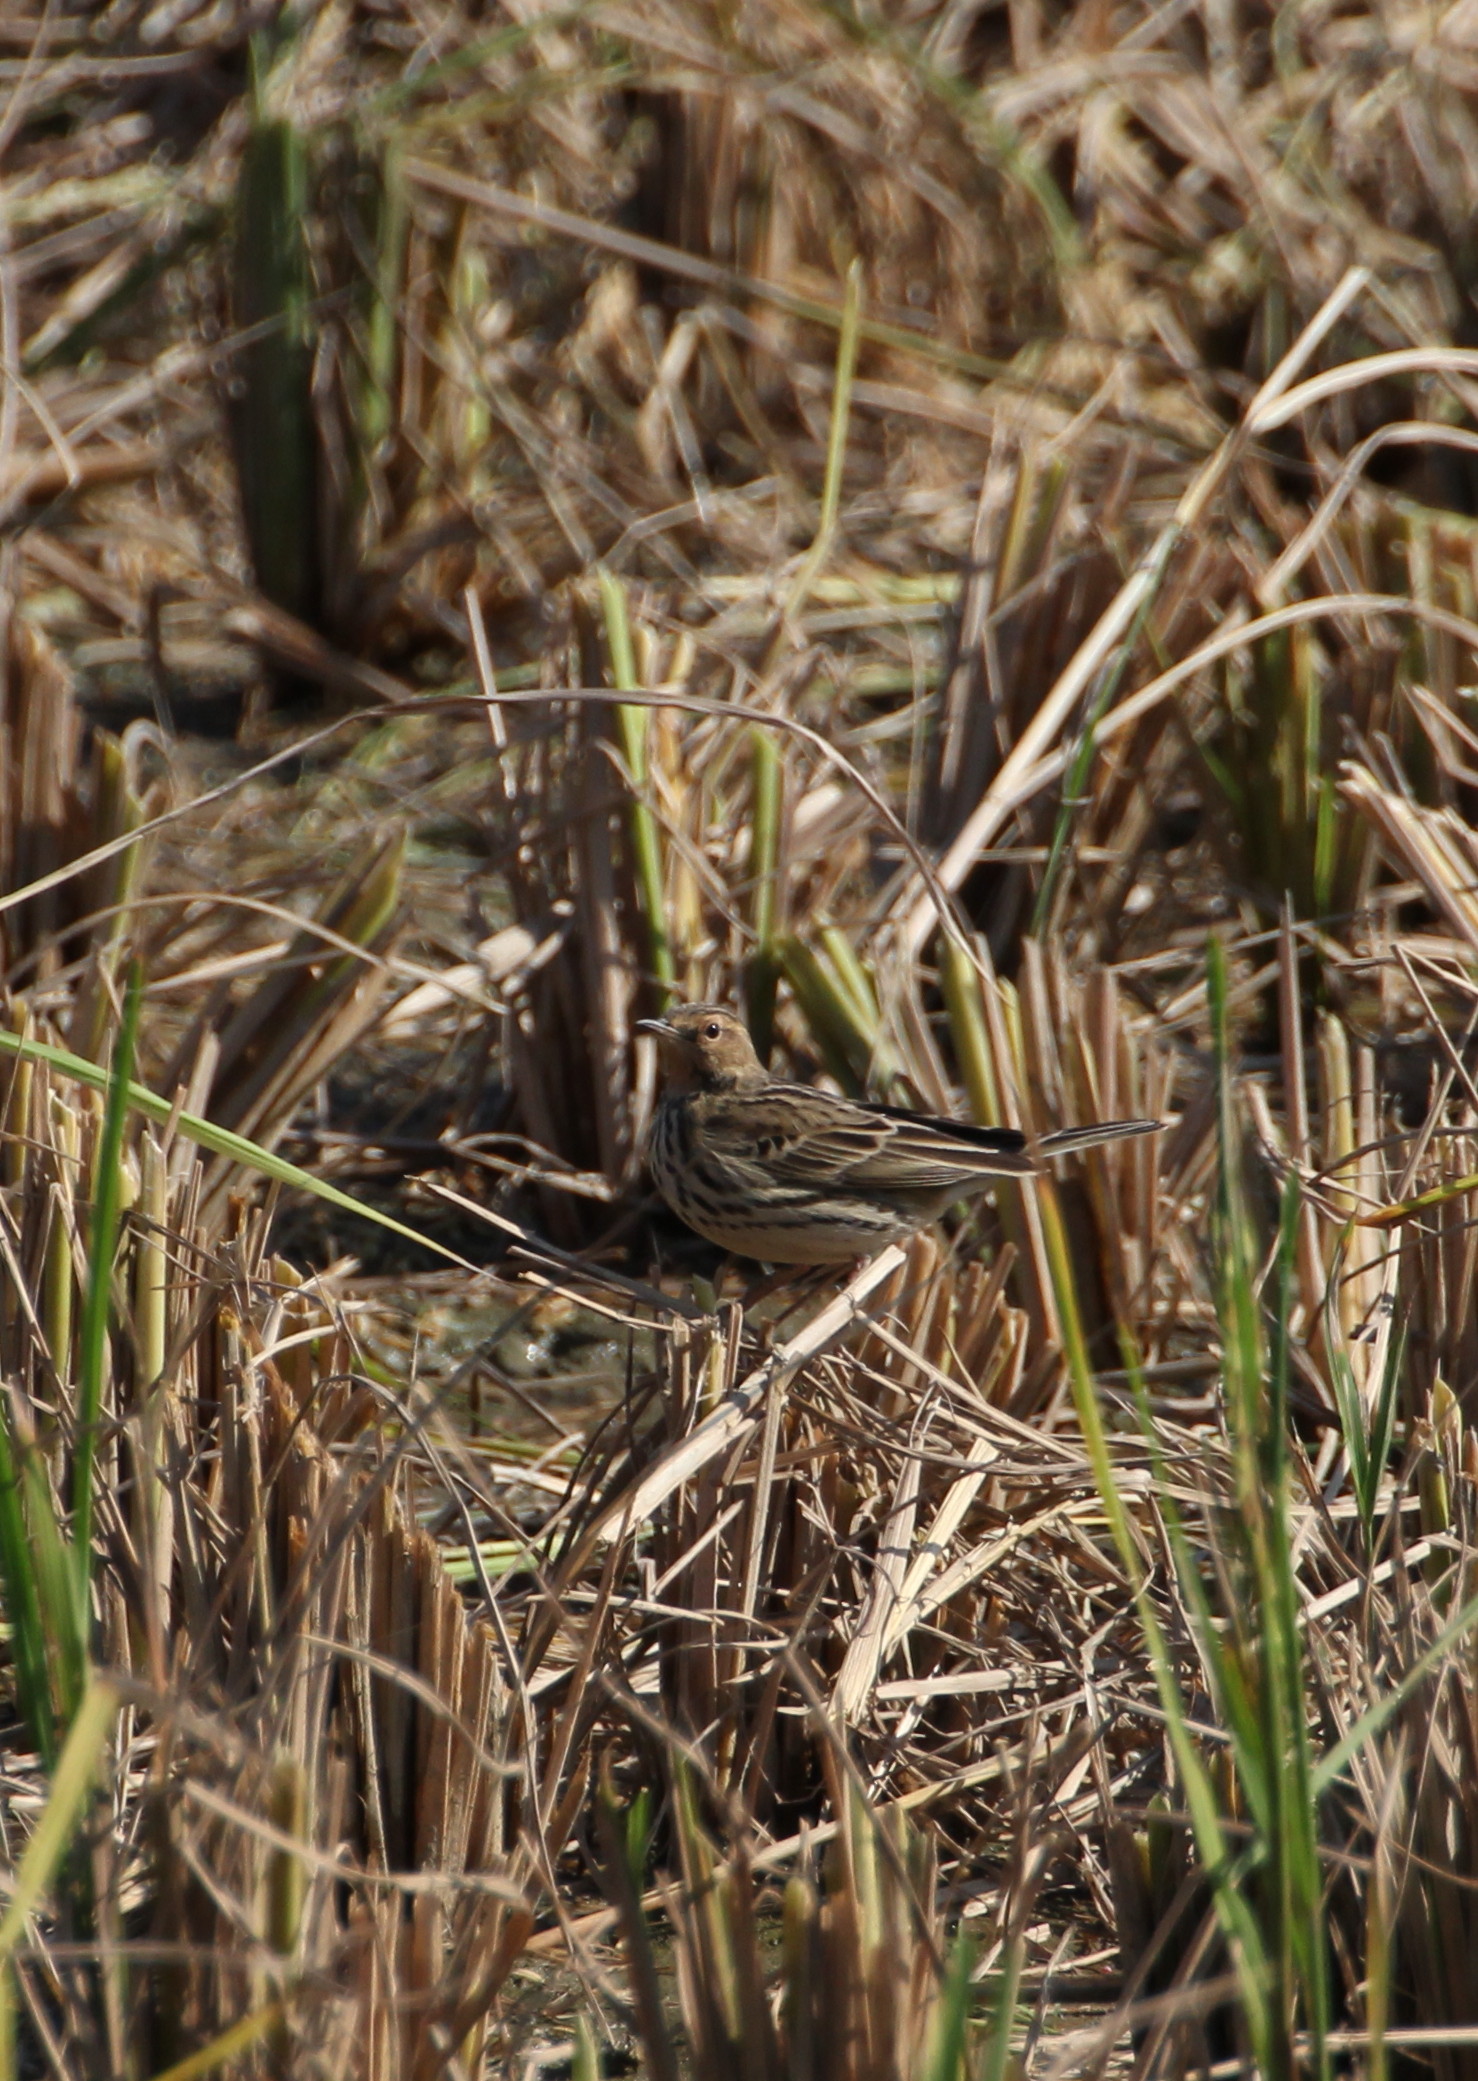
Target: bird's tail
{"points": [[1069, 1138]]}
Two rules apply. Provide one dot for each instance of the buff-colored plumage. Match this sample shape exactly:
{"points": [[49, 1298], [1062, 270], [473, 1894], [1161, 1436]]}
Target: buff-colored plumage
{"points": [[795, 1176]]}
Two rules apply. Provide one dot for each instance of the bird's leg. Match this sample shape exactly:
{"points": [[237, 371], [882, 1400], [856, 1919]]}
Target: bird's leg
{"points": [[797, 1283], [709, 1293], [774, 1281]]}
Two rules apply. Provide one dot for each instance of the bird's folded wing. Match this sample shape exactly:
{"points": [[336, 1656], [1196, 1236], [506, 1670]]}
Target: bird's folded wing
{"points": [[808, 1140], [804, 1138], [938, 1153]]}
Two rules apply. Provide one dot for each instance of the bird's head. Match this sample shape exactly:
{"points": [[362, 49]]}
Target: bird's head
{"points": [[705, 1048]]}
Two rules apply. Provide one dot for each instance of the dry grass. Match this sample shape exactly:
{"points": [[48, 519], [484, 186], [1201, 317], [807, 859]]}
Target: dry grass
{"points": [[921, 526]]}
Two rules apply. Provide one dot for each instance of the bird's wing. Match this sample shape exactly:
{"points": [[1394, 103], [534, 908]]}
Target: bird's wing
{"points": [[950, 1152], [810, 1140]]}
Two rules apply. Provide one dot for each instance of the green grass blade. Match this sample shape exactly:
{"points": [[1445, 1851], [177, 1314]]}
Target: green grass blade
{"points": [[829, 1012], [1270, 1726], [28, 1640], [54, 1568], [1333, 1764], [92, 1363], [814, 560], [1383, 1423], [238, 2038], [853, 980], [1076, 791], [1289, 1751], [1367, 1435], [1240, 1926], [841, 403], [71, 1782], [766, 781], [221, 1141], [998, 2063], [646, 838], [1351, 1415], [961, 986], [624, 1892], [952, 2018], [585, 2060]]}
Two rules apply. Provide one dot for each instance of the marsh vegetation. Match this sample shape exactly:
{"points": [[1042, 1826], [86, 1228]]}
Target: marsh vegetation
{"points": [[951, 528]]}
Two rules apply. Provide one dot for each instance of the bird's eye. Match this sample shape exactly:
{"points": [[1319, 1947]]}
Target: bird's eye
{"points": [[712, 1030]]}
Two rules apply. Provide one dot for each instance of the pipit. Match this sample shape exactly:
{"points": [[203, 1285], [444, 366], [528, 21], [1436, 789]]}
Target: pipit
{"points": [[795, 1176]]}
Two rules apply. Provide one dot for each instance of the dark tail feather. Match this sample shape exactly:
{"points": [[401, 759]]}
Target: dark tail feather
{"points": [[1069, 1138]]}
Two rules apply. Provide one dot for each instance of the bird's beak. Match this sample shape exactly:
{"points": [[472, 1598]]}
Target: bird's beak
{"points": [[660, 1027]]}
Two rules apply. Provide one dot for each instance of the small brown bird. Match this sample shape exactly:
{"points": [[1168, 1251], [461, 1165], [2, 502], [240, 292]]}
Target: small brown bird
{"points": [[794, 1176]]}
